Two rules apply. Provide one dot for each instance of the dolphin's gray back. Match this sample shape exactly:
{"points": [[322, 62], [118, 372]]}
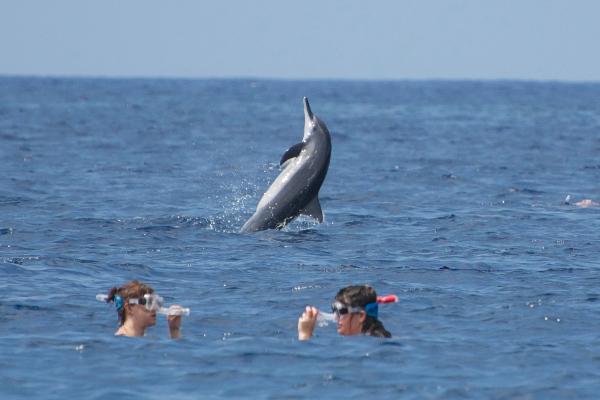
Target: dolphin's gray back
{"points": [[296, 185]]}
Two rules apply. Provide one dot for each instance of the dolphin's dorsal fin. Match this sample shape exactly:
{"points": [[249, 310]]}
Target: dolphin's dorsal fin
{"points": [[313, 209], [292, 152]]}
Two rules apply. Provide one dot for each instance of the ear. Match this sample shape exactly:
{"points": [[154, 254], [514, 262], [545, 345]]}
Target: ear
{"points": [[362, 317], [127, 309]]}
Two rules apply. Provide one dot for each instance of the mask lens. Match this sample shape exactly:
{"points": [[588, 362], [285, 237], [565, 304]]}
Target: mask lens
{"points": [[153, 302], [339, 309]]}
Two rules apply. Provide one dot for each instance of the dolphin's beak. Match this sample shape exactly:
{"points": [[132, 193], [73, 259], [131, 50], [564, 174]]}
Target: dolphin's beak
{"points": [[308, 115]]}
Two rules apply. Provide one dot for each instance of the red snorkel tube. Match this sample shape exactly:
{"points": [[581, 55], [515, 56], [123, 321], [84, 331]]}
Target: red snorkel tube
{"points": [[390, 298]]}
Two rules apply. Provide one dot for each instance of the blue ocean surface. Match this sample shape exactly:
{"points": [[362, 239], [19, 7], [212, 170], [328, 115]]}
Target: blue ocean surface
{"points": [[447, 194]]}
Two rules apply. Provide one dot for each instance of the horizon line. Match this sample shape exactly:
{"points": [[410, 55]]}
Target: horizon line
{"points": [[295, 79]]}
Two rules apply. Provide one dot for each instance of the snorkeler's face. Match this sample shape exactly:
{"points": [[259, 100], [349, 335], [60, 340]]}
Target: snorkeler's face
{"points": [[351, 323], [142, 316]]}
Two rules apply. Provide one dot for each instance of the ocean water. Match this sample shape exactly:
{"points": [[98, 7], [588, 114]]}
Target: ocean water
{"points": [[447, 194]]}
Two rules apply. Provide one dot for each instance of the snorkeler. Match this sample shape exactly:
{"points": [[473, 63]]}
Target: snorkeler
{"points": [[137, 305], [355, 309], [585, 203]]}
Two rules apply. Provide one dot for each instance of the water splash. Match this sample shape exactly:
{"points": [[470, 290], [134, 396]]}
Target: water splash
{"points": [[235, 207]]}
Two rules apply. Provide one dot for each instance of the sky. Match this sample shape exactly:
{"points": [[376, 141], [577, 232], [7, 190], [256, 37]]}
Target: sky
{"points": [[303, 39]]}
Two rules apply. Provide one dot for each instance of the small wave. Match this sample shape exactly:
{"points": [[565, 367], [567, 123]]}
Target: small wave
{"points": [[326, 268], [391, 342], [497, 236], [13, 201], [218, 222], [526, 191], [20, 260], [324, 199], [564, 269], [27, 307], [159, 228], [449, 176], [9, 136], [353, 223], [359, 219], [447, 268], [223, 222], [174, 221], [97, 221], [502, 128], [134, 267], [294, 237], [6, 231], [300, 288], [66, 261], [182, 221]]}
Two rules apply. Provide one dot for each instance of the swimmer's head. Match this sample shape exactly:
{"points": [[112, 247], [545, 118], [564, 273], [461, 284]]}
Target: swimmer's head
{"points": [[364, 298], [121, 297], [357, 295]]}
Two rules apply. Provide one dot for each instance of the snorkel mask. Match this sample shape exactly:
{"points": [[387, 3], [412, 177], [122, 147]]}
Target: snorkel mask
{"points": [[338, 309], [153, 302]]}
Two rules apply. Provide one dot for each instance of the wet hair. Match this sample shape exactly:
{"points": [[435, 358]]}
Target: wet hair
{"points": [[130, 290], [360, 296]]}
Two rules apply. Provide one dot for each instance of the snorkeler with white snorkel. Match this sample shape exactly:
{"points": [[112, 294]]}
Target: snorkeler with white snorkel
{"points": [[355, 310], [137, 306]]}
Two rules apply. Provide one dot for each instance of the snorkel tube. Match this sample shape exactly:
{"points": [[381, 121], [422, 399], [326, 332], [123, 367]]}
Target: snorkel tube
{"points": [[390, 298]]}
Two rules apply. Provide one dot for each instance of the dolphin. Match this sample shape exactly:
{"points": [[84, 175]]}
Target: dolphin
{"points": [[295, 191]]}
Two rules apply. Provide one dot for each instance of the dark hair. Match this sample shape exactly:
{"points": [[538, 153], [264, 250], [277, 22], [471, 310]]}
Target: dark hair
{"points": [[130, 290], [360, 296]]}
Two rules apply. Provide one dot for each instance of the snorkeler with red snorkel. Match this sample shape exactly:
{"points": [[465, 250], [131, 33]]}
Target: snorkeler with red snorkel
{"points": [[355, 310]]}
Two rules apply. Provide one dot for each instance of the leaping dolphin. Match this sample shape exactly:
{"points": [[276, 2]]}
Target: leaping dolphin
{"points": [[296, 190]]}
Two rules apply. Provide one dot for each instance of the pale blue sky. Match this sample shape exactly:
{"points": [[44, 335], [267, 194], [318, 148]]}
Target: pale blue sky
{"points": [[340, 39]]}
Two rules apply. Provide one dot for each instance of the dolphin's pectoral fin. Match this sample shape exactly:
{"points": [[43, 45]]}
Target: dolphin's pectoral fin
{"points": [[313, 209], [292, 152]]}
